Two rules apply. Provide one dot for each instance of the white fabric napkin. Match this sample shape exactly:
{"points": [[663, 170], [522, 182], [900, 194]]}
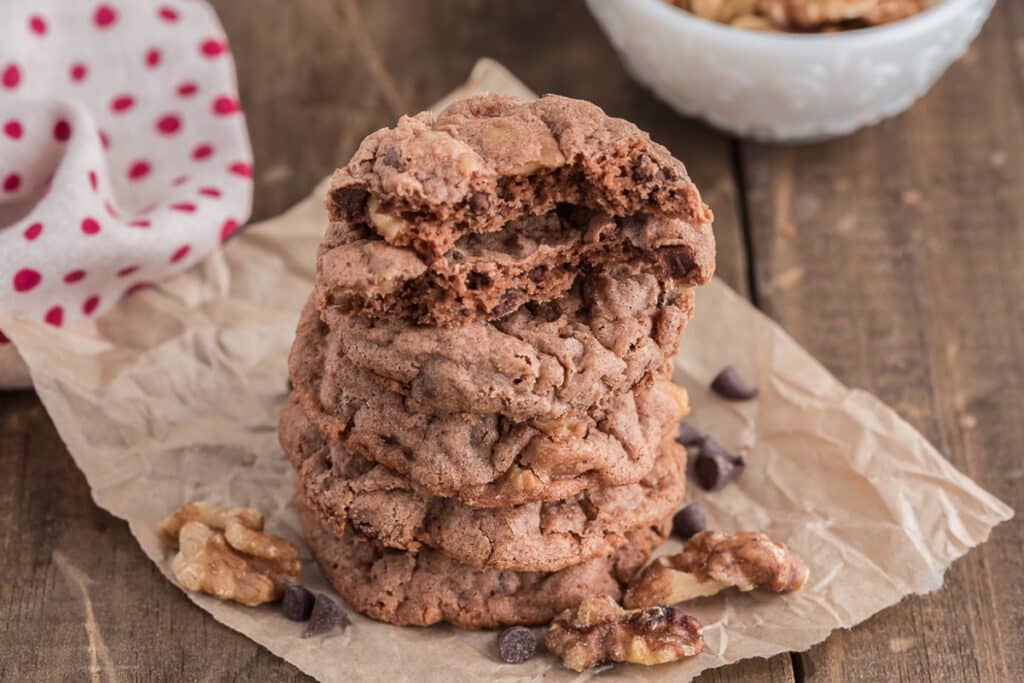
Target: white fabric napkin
{"points": [[124, 156]]}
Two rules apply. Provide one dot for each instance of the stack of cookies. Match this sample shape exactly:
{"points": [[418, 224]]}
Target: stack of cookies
{"points": [[482, 418]]}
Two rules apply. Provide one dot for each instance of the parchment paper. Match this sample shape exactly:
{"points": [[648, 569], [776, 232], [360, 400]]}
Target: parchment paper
{"points": [[176, 398]]}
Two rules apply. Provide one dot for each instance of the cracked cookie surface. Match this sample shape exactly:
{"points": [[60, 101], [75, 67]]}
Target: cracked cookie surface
{"points": [[484, 460], [612, 332], [426, 587], [497, 202], [345, 489]]}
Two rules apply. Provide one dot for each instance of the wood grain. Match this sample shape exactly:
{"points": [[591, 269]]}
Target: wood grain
{"points": [[896, 256]]}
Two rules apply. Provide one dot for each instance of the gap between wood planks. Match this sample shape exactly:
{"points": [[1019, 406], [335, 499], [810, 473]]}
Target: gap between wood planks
{"points": [[796, 659]]}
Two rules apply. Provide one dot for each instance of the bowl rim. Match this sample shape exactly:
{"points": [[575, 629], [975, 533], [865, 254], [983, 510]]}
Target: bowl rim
{"points": [[922, 22]]}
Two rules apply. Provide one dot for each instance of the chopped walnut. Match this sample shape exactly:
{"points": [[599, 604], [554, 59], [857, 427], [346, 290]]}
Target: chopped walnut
{"points": [[713, 561], [223, 551], [600, 631], [388, 225], [214, 516], [678, 394], [825, 16]]}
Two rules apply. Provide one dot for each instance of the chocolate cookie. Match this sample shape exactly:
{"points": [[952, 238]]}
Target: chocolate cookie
{"points": [[345, 489], [484, 460], [426, 587], [612, 331], [497, 202]]}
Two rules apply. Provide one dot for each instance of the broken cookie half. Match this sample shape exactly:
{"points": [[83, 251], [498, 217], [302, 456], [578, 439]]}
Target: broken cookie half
{"points": [[498, 202], [713, 561], [599, 631]]}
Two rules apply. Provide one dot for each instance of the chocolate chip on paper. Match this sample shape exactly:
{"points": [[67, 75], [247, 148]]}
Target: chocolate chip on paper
{"points": [[297, 603], [326, 614], [689, 521], [728, 384], [688, 435], [716, 466], [516, 644]]}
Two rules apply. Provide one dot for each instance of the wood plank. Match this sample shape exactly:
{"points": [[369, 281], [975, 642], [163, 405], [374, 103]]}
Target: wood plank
{"points": [[896, 256]]}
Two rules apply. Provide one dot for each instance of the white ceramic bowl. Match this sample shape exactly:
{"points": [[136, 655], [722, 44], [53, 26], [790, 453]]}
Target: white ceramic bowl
{"points": [[787, 87]]}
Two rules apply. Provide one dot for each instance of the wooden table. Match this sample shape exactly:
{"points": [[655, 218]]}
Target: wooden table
{"points": [[896, 256]]}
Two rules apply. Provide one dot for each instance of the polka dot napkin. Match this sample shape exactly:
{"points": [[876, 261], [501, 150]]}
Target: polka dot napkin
{"points": [[124, 156]]}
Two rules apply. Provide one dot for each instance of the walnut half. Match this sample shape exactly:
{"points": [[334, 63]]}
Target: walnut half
{"points": [[225, 552], [713, 561], [600, 631]]}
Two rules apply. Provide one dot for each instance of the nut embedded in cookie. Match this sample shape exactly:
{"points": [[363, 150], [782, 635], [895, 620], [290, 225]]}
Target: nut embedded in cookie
{"points": [[600, 631], [713, 561]]}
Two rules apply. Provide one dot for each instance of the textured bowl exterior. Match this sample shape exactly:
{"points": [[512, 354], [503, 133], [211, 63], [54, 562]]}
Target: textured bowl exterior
{"points": [[785, 87]]}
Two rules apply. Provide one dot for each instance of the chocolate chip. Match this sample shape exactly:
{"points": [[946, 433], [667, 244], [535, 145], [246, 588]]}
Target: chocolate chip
{"points": [[688, 435], [509, 302], [477, 280], [479, 202], [291, 387], [728, 384], [516, 644], [326, 614], [716, 466], [689, 521], [678, 261], [391, 158], [297, 603], [538, 273]]}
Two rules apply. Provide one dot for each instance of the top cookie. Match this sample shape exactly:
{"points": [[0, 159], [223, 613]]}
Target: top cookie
{"points": [[497, 202]]}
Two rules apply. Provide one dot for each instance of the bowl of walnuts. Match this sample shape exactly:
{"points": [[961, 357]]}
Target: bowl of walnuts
{"points": [[790, 70]]}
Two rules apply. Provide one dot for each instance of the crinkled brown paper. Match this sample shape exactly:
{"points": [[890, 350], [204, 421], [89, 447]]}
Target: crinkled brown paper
{"points": [[176, 399]]}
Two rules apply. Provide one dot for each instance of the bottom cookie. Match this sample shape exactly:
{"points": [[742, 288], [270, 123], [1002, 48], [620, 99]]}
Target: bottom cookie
{"points": [[426, 587]]}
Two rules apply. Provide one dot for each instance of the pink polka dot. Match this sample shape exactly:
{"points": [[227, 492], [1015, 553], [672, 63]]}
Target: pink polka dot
{"points": [[91, 304], [153, 57], [213, 47], [139, 223], [74, 276], [138, 170], [122, 103], [168, 124], [37, 24], [229, 227], [209, 191], [187, 89], [55, 316], [224, 105], [185, 207], [137, 287], [11, 76], [111, 211], [202, 151], [3, 338], [180, 253], [93, 181], [13, 129], [61, 131], [90, 226], [12, 182], [104, 16], [167, 13], [241, 168], [180, 180], [104, 139], [148, 208], [127, 270], [78, 72], [26, 279], [33, 231]]}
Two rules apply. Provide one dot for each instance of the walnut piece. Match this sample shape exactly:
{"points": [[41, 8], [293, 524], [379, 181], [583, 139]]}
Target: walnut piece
{"points": [[224, 551], [713, 561], [600, 631], [387, 225], [678, 394], [213, 516]]}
